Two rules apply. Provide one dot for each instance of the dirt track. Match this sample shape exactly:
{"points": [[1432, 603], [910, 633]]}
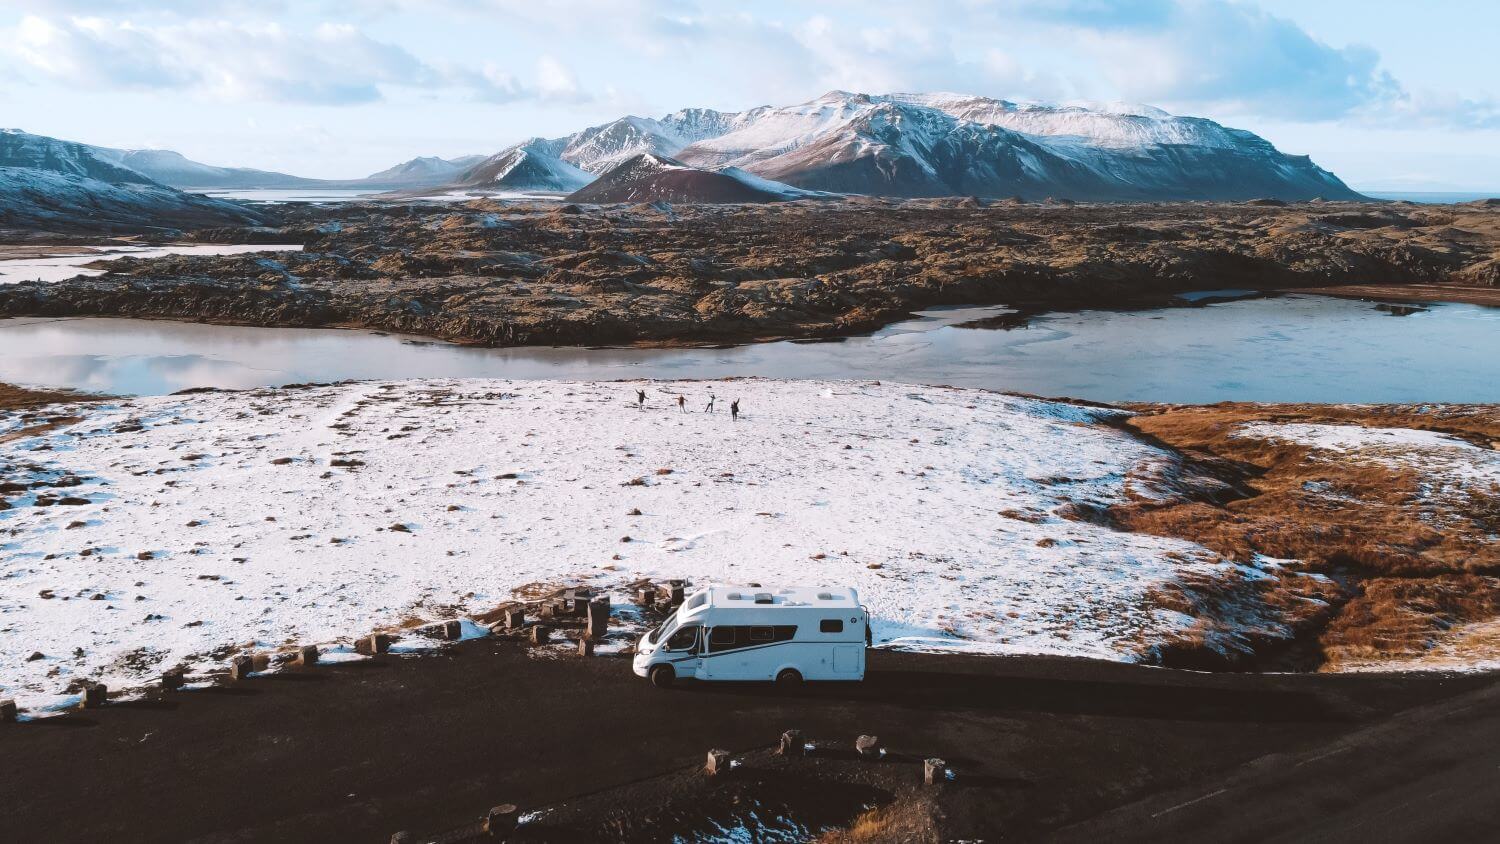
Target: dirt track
{"points": [[358, 751]]}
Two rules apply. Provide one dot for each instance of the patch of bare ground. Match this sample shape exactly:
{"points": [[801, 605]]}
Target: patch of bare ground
{"points": [[1382, 561], [27, 403], [23, 398]]}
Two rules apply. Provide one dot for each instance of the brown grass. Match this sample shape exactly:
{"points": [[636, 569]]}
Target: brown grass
{"points": [[22, 398], [1414, 565], [1400, 618], [908, 820], [1330, 514]]}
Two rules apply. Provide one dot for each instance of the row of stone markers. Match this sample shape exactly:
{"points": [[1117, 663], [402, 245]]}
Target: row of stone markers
{"points": [[580, 608], [94, 695], [934, 770], [505, 819]]}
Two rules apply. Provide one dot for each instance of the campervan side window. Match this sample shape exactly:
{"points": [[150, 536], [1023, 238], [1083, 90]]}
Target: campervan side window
{"points": [[721, 636], [762, 634], [831, 625], [684, 639], [696, 601]]}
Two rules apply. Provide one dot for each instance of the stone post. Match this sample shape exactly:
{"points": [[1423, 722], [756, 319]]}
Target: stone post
{"points": [[791, 744], [868, 747], [598, 620], [8, 711], [718, 763], [307, 655], [375, 643], [934, 771], [94, 695], [502, 820], [585, 647], [646, 597], [515, 619], [173, 680], [241, 667], [541, 634]]}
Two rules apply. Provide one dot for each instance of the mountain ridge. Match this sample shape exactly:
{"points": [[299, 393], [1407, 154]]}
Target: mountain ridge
{"points": [[943, 144], [52, 184]]}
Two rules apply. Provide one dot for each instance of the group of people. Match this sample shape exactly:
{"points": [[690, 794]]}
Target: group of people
{"points": [[734, 406]]}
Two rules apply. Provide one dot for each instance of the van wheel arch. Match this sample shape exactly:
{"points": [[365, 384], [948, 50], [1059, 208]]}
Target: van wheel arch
{"points": [[662, 676], [788, 678]]}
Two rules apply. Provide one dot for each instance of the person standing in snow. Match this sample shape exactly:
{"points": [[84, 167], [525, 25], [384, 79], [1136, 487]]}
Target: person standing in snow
{"points": [[682, 403], [640, 399], [710, 408], [734, 410]]}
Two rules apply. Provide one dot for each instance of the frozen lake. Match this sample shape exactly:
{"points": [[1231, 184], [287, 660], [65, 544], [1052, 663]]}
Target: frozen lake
{"points": [[59, 267], [1287, 348]]}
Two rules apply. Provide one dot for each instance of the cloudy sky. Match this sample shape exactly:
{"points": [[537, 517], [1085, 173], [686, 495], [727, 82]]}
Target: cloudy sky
{"points": [[1389, 95]]}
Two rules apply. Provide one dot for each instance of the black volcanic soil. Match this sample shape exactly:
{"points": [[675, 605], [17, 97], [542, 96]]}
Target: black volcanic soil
{"points": [[505, 274], [357, 751]]}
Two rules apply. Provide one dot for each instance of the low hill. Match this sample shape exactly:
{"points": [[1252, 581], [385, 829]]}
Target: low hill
{"points": [[650, 178]]}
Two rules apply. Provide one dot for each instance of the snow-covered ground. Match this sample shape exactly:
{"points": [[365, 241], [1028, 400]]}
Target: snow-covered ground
{"points": [[1450, 466], [269, 517]]}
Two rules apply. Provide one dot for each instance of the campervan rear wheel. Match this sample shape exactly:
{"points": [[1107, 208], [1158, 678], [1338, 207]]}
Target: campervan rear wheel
{"points": [[662, 676], [789, 678]]}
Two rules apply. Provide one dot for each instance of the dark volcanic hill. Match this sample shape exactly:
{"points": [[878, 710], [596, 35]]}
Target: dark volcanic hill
{"points": [[651, 178], [533, 165]]}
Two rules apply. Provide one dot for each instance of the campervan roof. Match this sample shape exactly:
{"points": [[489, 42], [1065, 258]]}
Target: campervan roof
{"points": [[784, 596]]}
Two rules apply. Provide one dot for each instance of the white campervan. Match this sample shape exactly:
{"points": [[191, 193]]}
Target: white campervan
{"points": [[751, 633]]}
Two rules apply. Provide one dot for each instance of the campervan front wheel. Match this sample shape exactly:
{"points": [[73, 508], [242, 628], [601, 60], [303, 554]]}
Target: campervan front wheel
{"points": [[789, 678], [662, 676]]}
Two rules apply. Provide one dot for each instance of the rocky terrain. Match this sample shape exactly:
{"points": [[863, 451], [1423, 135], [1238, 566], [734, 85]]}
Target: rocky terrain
{"points": [[493, 273]]}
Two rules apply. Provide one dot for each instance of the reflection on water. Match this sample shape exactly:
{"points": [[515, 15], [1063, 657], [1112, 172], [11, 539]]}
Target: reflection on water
{"points": [[1290, 348], [60, 267], [331, 196], [318, 195]]}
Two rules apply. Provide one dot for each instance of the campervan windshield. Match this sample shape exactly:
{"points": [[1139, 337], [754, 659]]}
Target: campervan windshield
{"points": [[665, 629]]}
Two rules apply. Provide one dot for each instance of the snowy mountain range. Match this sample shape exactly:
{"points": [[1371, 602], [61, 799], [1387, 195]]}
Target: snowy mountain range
{"points": [[915, 145], [50, 184], [178, 171], [900, 145]]}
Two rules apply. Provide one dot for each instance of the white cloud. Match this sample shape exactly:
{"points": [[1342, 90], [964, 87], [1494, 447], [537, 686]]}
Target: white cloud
{"points": [[1221, 57], [331, 64], [554, 81]]}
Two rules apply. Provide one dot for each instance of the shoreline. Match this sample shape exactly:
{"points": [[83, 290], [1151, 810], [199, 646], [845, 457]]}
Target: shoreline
{"points": [[1417, 294]]}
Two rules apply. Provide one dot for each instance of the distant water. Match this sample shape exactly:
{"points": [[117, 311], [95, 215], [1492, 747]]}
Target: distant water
{"points": [[1288, 348], [318, 195], [62, 267], [1431, 197], [323, 196]]}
